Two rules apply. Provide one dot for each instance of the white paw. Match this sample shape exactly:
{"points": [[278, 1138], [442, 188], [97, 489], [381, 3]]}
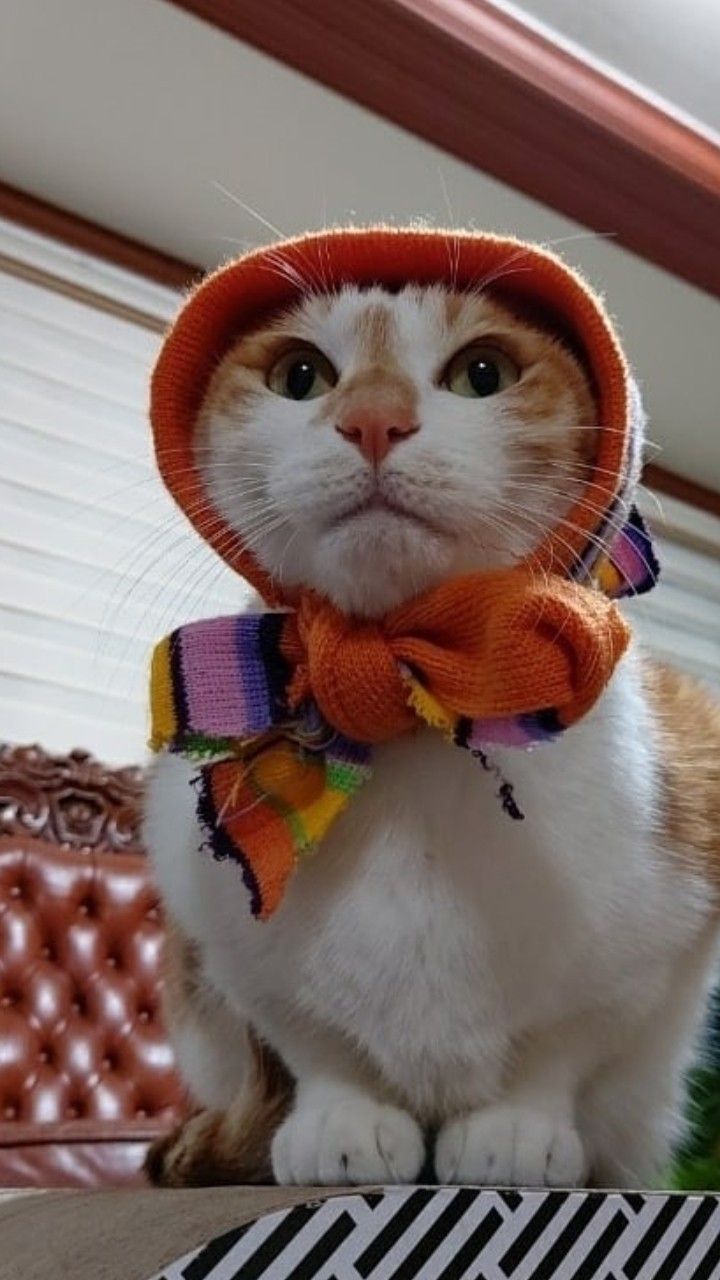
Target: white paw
{"points": [[347, 1143], [509, 1146]]}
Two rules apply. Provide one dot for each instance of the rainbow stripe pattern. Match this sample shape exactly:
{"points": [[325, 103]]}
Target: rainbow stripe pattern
{"points": [[630, 567], [269, 783]]}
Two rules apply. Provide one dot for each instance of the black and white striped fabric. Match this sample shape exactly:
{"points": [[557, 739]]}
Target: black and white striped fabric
{"points": [[444, 1233]]}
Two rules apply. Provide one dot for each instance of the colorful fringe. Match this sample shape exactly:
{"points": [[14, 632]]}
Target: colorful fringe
{"points": [[269, 785]]}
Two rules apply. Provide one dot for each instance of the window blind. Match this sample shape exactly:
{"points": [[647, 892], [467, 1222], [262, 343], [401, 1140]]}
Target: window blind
{"points": [[96, 561], [679, 620]]}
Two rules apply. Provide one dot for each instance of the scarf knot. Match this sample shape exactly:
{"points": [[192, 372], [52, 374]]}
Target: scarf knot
{"points": [[488, 646], [350, 670]]}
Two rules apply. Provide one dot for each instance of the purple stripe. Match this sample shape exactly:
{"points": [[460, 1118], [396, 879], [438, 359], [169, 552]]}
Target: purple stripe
{"points": [[345, 751], [253, 673], [524, 731], [629, 562], [499, 733], [213, 679]]}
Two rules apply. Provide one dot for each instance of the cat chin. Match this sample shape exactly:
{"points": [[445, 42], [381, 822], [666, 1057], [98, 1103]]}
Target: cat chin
{"points": [[375, 561], [370, 563]]}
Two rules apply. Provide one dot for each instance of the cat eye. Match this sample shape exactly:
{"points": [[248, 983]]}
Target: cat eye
{"points": [[480, 370], [302, 374]]}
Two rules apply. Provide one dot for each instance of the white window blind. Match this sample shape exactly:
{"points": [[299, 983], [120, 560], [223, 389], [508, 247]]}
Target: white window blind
{"points": [[96, 563]]}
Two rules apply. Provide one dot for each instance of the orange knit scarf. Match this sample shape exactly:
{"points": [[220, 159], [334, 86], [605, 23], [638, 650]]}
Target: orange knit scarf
{"points": [[489, 646]]}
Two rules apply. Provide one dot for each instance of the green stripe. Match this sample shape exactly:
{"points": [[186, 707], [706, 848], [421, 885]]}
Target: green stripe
{"points": [[345, 778], [199, 745]]}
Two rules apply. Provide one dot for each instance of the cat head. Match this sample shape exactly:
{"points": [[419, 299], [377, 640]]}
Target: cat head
{"points": [[368, 413], [370, 444]]}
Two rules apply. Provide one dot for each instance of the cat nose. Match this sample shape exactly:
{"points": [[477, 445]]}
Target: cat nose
{"points": [[376, 434]]}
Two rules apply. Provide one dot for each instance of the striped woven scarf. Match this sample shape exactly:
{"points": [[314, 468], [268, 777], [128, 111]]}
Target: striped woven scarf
{"points": [[272, 773]]}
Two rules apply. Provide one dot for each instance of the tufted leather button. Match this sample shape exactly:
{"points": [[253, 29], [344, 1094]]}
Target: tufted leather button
{"points": [[81, 1035], [79, 1004]]}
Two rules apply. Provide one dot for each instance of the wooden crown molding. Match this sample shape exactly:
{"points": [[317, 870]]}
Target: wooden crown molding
{"points": [[677, 486], [81, 233], [466, 76]]}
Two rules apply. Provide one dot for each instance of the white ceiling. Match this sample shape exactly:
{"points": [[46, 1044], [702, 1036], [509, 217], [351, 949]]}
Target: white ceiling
{"points": [[130, 113]]}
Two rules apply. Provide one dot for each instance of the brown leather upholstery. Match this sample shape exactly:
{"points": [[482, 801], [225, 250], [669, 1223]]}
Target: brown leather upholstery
{"points": [[86, 1071]]}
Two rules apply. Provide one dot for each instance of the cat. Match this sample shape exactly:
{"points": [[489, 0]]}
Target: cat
{"points": [[519, 999]]}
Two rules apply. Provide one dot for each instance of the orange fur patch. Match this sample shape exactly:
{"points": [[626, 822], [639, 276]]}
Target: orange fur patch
{"points": [[375, 331], [688, 726]]}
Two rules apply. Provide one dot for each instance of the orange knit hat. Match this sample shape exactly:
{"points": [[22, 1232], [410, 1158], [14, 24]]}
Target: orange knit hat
{"points": [[237, 297]]}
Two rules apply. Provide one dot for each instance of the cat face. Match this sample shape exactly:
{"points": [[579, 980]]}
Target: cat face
{"points": [[370, 445]]}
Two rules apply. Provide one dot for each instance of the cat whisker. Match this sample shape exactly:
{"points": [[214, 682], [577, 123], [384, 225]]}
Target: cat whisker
{"points": [[264, 222]]}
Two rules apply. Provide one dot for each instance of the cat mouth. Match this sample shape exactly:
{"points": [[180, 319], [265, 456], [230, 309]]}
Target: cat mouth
{"points": [[381, 504]]}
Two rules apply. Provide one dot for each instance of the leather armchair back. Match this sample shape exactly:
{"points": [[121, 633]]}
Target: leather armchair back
{"points": [[87, 1075]]}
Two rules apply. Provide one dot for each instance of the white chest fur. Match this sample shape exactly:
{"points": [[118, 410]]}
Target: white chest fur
{"points": [[432, 930]]}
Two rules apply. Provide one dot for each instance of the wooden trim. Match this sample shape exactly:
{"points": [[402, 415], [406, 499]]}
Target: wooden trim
{"points": [[80, 293], [466, 76], [675, 486], [60, 224]]}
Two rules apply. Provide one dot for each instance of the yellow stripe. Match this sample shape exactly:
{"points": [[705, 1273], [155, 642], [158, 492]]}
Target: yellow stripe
{"points": [[317, 818], [427, 708], [299, 787], [608, 578], [163, 724]]}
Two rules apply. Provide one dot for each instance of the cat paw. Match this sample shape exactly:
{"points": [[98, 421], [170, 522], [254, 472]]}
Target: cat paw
{"points": [[348, 1143], [509, 1146]]}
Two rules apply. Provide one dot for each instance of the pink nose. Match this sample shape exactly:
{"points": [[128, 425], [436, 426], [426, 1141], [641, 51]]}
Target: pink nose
{"points": [[375, 434]]}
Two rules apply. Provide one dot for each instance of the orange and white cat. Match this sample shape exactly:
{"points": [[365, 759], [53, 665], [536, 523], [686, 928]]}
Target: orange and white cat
{"points": [[527, 993]]}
